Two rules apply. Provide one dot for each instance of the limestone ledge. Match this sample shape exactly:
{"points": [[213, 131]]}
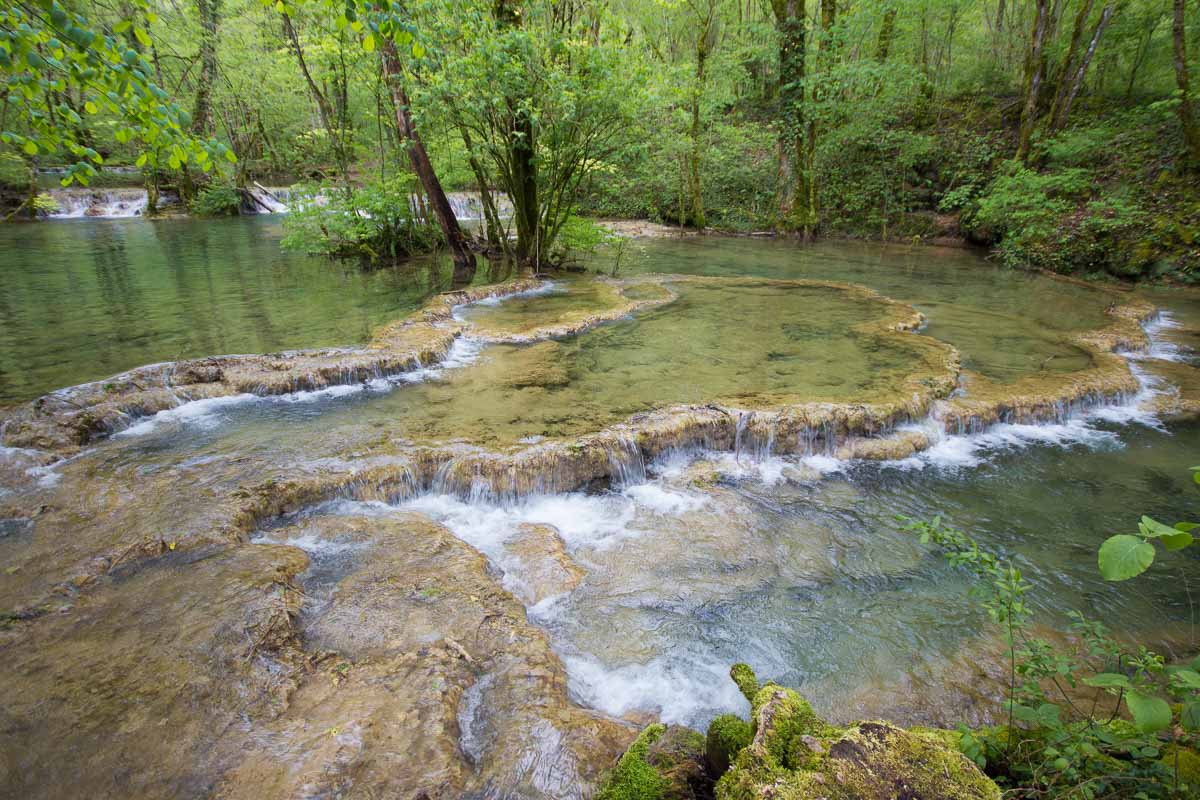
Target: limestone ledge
{"points": [[69, 419]]}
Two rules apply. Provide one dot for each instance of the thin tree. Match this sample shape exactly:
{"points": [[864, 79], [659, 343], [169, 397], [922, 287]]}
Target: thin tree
{"points": [[394, 77], [791, 205], [1035, 67], [1187, 118]]}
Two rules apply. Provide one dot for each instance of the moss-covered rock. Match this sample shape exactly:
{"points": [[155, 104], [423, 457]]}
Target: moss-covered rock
{"points": [[744, 677], [795, 755], [727, 735], [664, 763]]}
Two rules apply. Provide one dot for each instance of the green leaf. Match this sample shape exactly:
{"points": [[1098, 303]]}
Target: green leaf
{"points": [[1187, 678], [1108, 680], [91, 107], [230, 157], [1123, 557], [1153, 529], [368, 43], [1150, 714], [1190, 716], [1177, 541], [141, 161], [417, 50], [30, 147], [142, 37]]}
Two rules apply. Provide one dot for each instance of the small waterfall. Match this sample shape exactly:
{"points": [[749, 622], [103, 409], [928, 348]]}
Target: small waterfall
{"points": [[628, 466], [468, 206], [103, 203]]}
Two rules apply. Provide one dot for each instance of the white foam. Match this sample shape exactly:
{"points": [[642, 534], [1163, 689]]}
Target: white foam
{"points": [[660, 500], [463, 352], [680, 688], [205, 413], [769, 471], [826, 465], [1161, 349], [597, 521], [311, 544]]}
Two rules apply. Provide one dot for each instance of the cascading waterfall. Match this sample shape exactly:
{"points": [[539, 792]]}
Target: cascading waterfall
{"points": [[104, 203]]}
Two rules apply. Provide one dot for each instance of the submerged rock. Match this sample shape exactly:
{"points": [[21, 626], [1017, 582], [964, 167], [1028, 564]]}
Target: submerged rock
{"points": [[541, 568]]}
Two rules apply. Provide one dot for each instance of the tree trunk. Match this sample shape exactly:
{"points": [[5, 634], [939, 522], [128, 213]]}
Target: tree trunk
{"points": [[1187, 118], [324, 109], [790, 21], [998, 35], [1067, 71], [703, 42], [420, 159], [887, 31], [202, 112], [1059, 120], [522, 147], [1034, 68], [824, 62]]}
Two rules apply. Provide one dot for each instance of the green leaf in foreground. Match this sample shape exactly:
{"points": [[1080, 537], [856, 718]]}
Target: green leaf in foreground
{"points": [[1123, 557], [1150, 714], [1190, 718], [1108, 680]]}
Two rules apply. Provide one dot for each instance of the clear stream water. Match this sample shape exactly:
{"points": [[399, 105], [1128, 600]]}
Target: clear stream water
{"points": [[796, 565]]}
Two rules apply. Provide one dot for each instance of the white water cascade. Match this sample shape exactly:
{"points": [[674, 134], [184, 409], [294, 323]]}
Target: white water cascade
{"points": [[103, 203]]}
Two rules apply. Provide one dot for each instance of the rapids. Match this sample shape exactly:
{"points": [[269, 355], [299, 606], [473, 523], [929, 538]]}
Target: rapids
{"points": [[570, 513]]}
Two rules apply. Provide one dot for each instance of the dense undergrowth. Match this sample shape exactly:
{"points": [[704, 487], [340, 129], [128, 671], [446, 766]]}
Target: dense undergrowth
{"points": [[1105, 195]]}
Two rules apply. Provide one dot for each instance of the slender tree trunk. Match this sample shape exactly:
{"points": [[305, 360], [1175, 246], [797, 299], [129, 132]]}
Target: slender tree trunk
{"points": [[1187, 118], [1067, 70], [703, 43], [522, 148], [420, 159], [1059, 120], [998, 35], [209, 11], [1034, 68], [824, 63], [790, 22], [324, 109], [887, 32]]}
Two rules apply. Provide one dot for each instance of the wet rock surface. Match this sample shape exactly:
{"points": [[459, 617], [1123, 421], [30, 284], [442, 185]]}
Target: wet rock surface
{"points": [[387, 661]]}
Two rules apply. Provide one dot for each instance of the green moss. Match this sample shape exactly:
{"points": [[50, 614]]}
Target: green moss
{"points": [[783, 716], [727, 735], [745, 679], [663, 763], [633, 778], [1188, 764]]}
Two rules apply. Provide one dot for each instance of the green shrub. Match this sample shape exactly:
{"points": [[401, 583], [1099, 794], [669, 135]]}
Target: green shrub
{"points": [[375, 222], [217, 200], [1049, 745]]}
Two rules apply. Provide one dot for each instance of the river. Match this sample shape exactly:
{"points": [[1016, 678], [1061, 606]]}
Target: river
{"points": [[501, 558]]}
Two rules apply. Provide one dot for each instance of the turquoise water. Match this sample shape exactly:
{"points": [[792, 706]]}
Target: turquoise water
{"points": [[85, 299]]}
